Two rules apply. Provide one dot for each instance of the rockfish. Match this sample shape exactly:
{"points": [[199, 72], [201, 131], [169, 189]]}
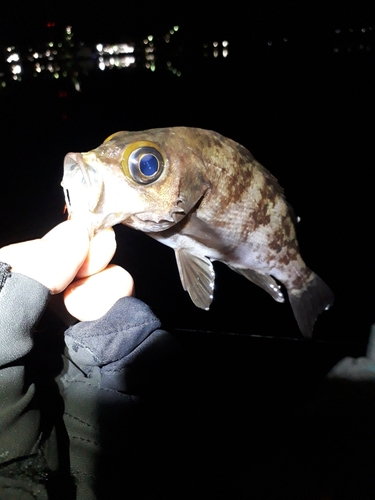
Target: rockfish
{"points": [[209, 199]]}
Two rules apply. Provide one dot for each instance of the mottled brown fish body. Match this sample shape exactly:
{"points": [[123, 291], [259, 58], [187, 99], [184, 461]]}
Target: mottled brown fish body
{"points": [[209, 199]]}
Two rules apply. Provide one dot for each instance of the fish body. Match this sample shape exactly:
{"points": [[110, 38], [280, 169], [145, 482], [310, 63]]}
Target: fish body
{"points": [[209, 199]]}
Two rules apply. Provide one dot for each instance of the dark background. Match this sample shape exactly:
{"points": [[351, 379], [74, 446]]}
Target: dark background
{"points": [[303, 109]]}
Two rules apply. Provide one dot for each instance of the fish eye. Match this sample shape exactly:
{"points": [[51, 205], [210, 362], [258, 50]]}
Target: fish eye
{"points": [[144, 164]]}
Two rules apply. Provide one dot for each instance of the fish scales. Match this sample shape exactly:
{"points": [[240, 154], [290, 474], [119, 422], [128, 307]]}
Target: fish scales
{"points": [[205, 196]]}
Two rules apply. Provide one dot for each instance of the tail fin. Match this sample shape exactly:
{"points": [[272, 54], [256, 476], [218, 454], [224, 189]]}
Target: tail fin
{"points": [[309, 302]]}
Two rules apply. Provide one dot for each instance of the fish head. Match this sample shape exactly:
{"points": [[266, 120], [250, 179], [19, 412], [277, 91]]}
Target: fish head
{"points": [[142, 179]]}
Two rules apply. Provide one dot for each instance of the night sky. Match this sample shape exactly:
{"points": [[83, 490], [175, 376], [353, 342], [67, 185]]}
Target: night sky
{"points": [[21, 21]]}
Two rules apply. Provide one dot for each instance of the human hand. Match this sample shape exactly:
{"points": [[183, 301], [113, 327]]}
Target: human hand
{"points": [[66, 252]]}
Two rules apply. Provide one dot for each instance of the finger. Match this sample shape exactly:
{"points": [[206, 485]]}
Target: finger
{"points": [[102, 249], [90, 298], [52, 260]]}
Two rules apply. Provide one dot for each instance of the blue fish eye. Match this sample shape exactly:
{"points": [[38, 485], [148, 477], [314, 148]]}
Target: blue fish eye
{"points": [[145, 165], [148, 165]]}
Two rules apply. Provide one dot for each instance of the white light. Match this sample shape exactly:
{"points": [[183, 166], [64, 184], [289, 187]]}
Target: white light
{"points": [[102, 65], [215, 44], [13, 58], [225, 52], [99, 47], [224, 43], [216, 53], [150, 38], [16, 69], [124, 48], [127, 61], [176, 28]]}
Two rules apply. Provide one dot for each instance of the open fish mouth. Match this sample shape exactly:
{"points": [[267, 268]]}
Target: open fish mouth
{"points": [[82, 183]]}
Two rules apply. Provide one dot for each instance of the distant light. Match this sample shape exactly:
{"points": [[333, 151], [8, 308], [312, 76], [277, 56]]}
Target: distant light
{"points": [[152, 67], [225, 52], [363, 30], [285, 39], [337, 31], [69, 30], [224, 43], [13, 58], [215, 44], [176, 28], [216, 53], [50, 44], [124, 48], [269, 43], [16, 69], [99, 47], [150, 38], [171, 32], [102, 65], [56, 75]]}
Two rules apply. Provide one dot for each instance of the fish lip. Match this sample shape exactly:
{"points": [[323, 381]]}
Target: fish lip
{"points": [[81, 182]]}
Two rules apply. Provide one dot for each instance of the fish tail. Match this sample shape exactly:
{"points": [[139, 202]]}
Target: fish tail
{"points": [[307, 303]]}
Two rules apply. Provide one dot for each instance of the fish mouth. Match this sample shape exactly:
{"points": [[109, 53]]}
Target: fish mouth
{"points": [[82, 182]]}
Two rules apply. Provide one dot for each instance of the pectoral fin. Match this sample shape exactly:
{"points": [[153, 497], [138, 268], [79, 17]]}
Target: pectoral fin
{"points": [[263, 280], [197, 277]]}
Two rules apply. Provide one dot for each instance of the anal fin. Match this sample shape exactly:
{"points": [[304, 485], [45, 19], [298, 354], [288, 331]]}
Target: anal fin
{"points": [[263, 280], [197, 277]]}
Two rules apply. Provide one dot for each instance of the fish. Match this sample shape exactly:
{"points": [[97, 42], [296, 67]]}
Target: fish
{"points": [[208, 198]]}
